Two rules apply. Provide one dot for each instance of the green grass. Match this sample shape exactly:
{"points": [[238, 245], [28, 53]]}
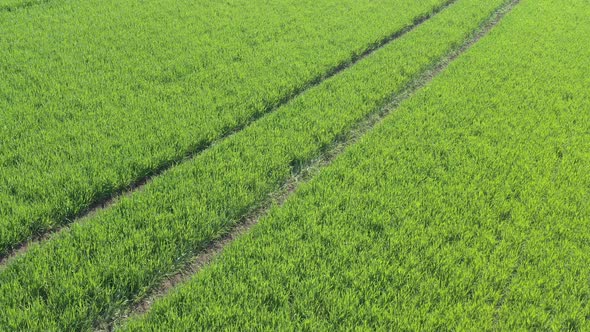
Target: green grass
{"points": [[97, 94], [467, 209], [92, 271], [14, 5]]}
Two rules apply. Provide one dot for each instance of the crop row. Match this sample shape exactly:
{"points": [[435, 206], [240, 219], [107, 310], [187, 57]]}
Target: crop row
{"points": [[97, 268], [97, 95], [466, 210]]}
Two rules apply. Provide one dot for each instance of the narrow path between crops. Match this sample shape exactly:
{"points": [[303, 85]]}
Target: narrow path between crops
{"points": [[138, 184], [307, 172]]}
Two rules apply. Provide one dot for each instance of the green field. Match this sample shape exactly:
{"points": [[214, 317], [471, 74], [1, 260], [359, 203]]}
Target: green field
{"points": [[433, 159], [96, 95]]}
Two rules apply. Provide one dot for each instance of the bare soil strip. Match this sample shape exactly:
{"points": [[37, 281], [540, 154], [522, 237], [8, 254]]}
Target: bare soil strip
{"points": [[306, 173], [137, 185]]}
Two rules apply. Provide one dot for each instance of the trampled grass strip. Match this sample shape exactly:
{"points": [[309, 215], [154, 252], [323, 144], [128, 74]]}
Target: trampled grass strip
{"points": [[139, 183], [421, 225], [212, 250], [98, 95], [95, 270]]}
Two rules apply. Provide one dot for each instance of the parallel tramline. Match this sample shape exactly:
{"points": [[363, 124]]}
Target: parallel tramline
{"points": [[116, 256], [294, 165], [466, 209]]}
